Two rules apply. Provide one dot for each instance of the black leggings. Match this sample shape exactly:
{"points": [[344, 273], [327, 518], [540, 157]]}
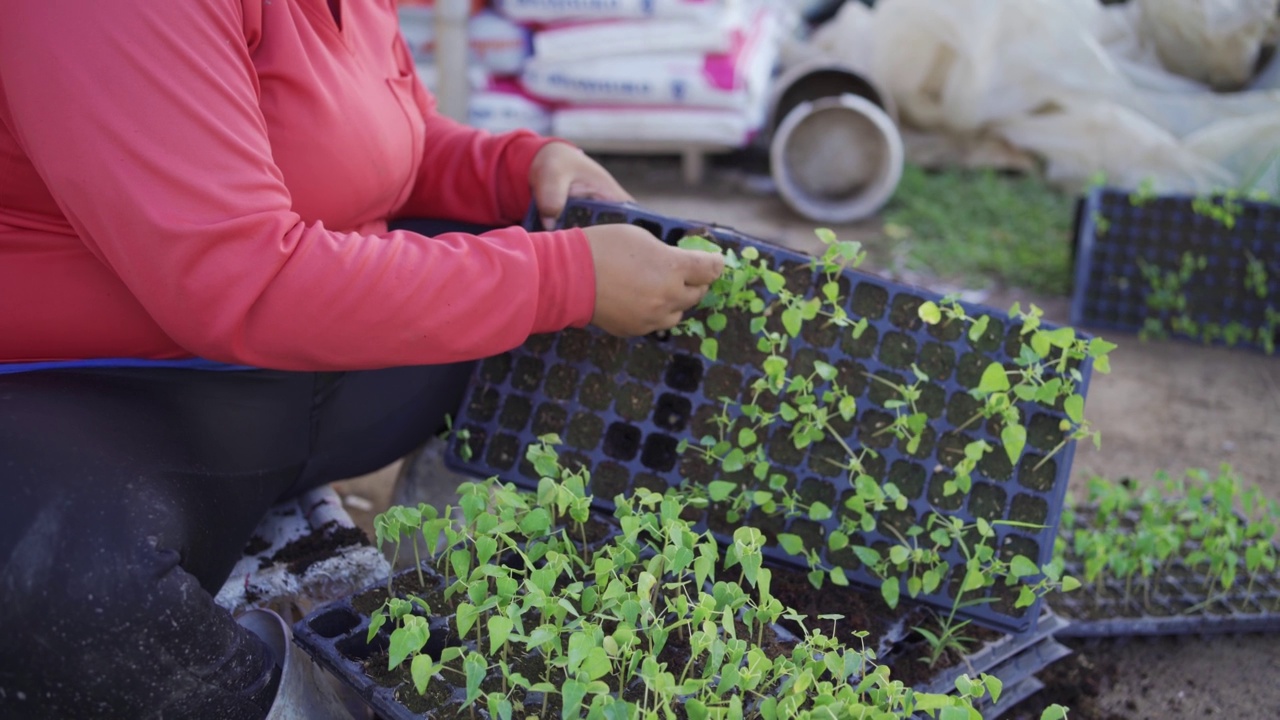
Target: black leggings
{"points": [[128, 496]]}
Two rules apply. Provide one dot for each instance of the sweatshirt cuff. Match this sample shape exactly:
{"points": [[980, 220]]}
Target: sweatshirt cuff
{"points": [[566, 280], [517, 157]]}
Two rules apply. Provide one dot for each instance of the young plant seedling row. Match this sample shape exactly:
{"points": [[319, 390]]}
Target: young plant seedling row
{"points": [[654, 620]]}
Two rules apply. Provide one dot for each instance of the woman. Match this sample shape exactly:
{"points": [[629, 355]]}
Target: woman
{"points": [[194, 207]]}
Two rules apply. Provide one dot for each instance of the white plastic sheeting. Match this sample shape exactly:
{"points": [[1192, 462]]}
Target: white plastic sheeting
{"points": [[1070, 81]]}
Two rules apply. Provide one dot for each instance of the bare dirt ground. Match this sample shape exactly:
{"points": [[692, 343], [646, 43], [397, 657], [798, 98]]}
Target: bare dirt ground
{"points": [[1165, 406]]}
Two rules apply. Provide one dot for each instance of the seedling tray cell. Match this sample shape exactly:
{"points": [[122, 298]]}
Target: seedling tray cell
{"points": [[335, 636], [1131, 250], [622, 408]]}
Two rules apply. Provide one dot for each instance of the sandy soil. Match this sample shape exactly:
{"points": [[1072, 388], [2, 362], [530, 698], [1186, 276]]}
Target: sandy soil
{"points": [[1167, 406]]}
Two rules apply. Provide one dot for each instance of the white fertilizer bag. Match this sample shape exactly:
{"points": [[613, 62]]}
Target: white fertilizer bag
{"points": [[732, 80], [550, 11]]}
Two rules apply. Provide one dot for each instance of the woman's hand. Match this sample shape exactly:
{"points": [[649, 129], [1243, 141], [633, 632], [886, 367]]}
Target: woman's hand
{"points": [[642, 284], [560, 171]]}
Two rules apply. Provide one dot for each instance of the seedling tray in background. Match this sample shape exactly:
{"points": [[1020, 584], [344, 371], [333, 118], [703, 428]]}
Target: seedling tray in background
{"points": [[1118, 233], [623, 406], [1176, 606]]}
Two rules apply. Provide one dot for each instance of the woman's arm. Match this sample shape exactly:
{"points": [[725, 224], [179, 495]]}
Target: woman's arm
{"points": [[142, 119]]}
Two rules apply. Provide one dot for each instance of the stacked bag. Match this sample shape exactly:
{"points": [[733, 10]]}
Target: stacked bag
{"points": [[615, 72]]}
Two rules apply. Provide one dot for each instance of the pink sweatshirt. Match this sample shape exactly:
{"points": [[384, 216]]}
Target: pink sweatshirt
{"points": [[213, 177]]}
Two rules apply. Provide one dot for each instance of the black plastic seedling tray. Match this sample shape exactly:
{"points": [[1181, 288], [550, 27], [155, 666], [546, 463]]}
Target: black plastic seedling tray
{"points": [[1175, 606], [336, 637], [1117, 233], [623, 406]]}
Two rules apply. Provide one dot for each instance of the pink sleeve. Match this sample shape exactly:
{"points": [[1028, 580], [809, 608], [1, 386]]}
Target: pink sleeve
{"points": [[142, 119], [488, 175]]}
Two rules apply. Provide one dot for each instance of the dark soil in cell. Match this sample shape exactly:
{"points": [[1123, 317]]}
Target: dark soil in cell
{"points": [[873, 429], [937, 361], [634, 402], [802, 363], [574, 345], [884, 387], [782, 449], [562, 381], [808, 531], [659, 452], [483, 403], [609, 480], [1043, 432], [769, 525], [722, 381], [863, 346], [822, 333], [1015, 544], [1036, 478], [647, 362], [504, 451], [995, 464], [813, 490], [540, 344], [933, 399], [528, 373], [651, 482], [1029, 509], [597, 392], [609, 217], [672, 412], [990, 341], [951, 448], [828, 458], [962, 410], [900, 520], [986, 501], [704, 422], [928, 441], [1014, 340], [898, 350], [969, 369], [908, 477], [949, 330], [549, 418], [622, 441], [851, 376], [696, 469], [402, 585], [904, 311], [869, 300], [608, 353], [937, 492], [684, 373], [515, 412], [494, 370], [584, 431], [799, 276]]}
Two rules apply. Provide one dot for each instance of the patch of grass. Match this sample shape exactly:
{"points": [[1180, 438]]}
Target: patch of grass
{"points": [[980, 226]]}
